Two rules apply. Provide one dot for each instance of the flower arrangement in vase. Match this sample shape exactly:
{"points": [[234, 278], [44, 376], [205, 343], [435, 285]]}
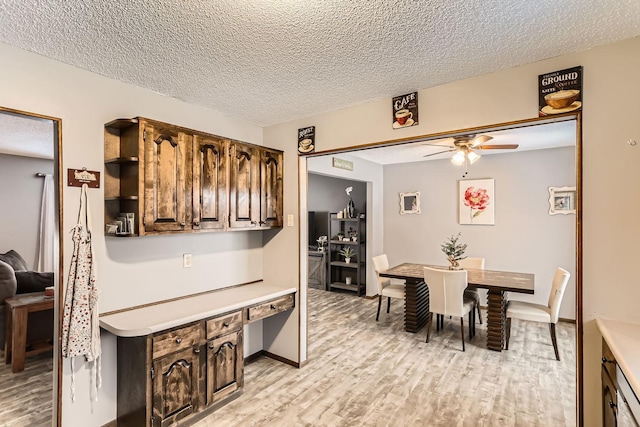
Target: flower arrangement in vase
{"points": [[347, 253], [454, 251], [351, 207]]}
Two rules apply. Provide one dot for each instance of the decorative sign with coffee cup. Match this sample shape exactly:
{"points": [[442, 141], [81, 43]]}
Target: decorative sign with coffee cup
{"points": [[307, 139], [560, 91], [405, 110]]}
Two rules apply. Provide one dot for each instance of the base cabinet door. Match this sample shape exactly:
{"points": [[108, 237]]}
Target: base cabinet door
{"points": [[175, 386], [225, 363]]}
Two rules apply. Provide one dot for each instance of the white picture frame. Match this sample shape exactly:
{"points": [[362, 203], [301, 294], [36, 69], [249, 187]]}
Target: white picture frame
{"points": [[410, 203], [562, 200]]}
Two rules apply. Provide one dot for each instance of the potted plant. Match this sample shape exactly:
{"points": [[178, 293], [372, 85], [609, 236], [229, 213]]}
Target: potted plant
{"points": [[454, 251], [347, 253], [340, 235]]}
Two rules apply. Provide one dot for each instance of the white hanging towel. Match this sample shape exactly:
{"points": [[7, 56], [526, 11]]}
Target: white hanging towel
{"points": [[80, 326]]}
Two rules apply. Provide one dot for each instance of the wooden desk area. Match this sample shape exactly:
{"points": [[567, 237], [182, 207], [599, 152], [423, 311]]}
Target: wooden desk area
{"points": [[18, 309], [498, 283]]}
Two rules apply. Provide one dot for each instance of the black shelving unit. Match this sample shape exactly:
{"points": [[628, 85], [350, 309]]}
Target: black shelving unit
{"points": [[338, 269]]}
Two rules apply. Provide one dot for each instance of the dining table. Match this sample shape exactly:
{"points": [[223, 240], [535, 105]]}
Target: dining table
{"points": [[497, 283]]}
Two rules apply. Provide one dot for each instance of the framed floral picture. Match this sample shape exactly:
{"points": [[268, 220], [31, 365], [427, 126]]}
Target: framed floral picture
{"points": [[477, 202]]}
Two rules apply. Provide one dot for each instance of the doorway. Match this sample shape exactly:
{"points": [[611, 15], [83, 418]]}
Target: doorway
{"points": [[30, 150], [575, 220]]}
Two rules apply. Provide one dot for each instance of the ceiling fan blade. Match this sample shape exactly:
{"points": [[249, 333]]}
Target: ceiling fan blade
{"points": [[440, 152], [480, 139], [497, 147], [438, 145]]}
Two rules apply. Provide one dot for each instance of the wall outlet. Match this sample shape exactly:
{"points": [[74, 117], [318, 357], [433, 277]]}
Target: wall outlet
{"points": [[186, 261], [290, 220]]}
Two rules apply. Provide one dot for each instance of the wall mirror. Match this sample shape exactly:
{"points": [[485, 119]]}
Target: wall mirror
{"points": [[410, 203], [30, 159], [562, 200]]}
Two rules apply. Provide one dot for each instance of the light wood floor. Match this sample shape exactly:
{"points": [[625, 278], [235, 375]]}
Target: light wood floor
{"points": [[26, 397], [367, 373]]}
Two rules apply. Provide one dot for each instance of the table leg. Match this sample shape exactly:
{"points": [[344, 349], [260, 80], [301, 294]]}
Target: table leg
{"points": [[496, 306], [7, 334], [416, 305], [19, 339]]}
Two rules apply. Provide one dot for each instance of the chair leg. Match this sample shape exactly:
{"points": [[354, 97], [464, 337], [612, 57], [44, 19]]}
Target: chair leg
{"points": [[479, 314], [388, 304], [462, 330], [508, 333], [552, 328], [379, 304], [429, 321], [471, 323]]}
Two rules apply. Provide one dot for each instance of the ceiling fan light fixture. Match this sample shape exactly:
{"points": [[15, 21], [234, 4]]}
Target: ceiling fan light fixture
{"points": [[458, 158], [473, 156]]}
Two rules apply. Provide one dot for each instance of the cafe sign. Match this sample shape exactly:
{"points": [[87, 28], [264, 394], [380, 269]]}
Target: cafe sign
{"points": [[405, 110], [560, 91]]}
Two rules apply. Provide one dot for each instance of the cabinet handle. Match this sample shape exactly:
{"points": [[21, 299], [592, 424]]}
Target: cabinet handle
{"points": [[273, 307], [612, 405], [178, 340], [254, 223], [182, 224], [605, 360], [211, 346], [197, 223], [225, 324], [196, 350], [262, 222]]}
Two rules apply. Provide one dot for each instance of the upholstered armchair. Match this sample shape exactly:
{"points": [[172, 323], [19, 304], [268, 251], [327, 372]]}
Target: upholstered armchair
{"points": [[15, 278]]}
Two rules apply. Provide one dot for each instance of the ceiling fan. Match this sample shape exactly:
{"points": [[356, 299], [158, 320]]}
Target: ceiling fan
{"points": [[465, 146]]}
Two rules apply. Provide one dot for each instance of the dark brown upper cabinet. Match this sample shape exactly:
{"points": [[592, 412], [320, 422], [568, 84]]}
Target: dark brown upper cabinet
{"points": [[169, 179]]}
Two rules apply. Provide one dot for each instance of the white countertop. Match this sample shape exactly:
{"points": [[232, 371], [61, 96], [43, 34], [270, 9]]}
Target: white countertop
{"points": [[623, 340], [153, 318]]}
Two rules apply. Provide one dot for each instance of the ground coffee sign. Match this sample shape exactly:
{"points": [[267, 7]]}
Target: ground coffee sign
{"points": [[560, 91]]}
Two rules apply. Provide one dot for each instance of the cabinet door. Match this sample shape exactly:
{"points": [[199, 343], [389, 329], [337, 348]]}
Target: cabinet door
{"points": [[271, 188], [175, 386], [209, 183], [225, 366], [167, 170], [244, 197]]}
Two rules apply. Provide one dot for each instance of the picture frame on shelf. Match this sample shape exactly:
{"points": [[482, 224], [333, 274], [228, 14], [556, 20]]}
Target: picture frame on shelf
{"points": [[410, 203], [562, 200]]}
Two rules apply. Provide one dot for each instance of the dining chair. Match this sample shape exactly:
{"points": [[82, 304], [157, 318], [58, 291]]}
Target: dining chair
{"points": [[446, 298], [473, 294], [539, 312], [387, 287]]}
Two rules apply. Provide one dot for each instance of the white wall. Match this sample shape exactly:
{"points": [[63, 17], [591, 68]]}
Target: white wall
{"points": [[610, 172], [145, 269], [20, 199], [524, 238]]}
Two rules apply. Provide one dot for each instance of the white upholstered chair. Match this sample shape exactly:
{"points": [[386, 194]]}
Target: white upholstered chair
{"points": [[472, 294], [386, 287], [539, 312], [446, 289]]}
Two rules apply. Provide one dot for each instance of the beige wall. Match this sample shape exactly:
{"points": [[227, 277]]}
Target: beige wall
{"points": [[610, 173]]}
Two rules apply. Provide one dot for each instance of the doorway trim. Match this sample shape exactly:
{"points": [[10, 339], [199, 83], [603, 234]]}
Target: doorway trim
{"points": [[303, 243], [56, 414]]}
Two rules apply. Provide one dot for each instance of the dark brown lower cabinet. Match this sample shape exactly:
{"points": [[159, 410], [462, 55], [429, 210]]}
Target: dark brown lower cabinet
{"points": [[177, 376], [225, 361], [609, 401], [176, 386]]}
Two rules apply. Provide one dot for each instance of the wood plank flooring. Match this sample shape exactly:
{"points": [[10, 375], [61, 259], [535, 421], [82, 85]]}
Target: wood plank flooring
{"points": [[367, 373], [26, 396]]}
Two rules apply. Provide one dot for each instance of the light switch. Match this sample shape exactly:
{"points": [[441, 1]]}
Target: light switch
{"points": [[186, 261], [290, 220]]}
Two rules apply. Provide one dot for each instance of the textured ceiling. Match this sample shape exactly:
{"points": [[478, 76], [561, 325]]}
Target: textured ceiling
{"points": [[271, 61], [26, 136]]}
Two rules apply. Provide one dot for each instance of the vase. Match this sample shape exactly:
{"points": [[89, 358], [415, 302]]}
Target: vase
{"points": [[454, 264], [351, 209], [347, 260]]}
